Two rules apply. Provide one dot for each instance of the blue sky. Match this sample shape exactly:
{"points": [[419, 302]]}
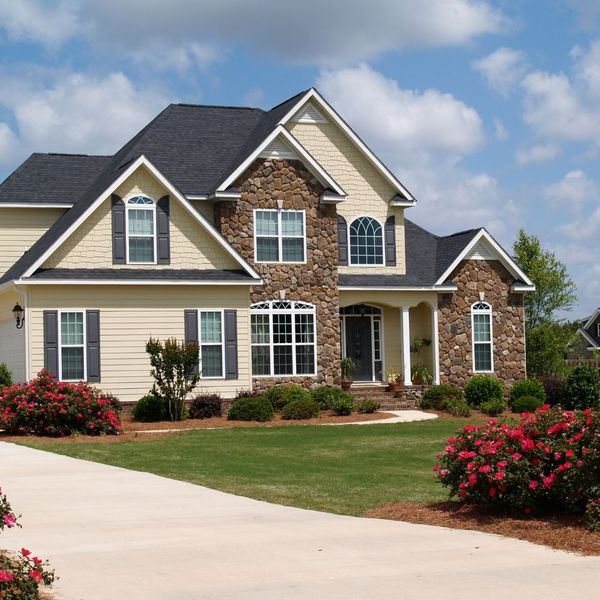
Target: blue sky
{"points": [[487, 111]]}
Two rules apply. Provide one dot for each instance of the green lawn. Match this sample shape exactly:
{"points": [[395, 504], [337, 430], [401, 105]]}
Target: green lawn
{"points": [[346, 469]]}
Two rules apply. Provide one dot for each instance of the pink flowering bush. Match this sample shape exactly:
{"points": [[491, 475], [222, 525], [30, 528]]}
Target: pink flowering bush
{"points": [[545, 461], [45, 406]]}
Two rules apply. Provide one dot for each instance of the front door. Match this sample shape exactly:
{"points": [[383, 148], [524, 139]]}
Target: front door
{"points": [[358, 346]]}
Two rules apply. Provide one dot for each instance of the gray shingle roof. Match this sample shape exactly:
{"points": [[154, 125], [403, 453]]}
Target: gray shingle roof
{"points": [[147, 274]]}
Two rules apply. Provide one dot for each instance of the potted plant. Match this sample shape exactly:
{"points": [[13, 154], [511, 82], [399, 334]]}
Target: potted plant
{"points": [[348, 366], [421, 375], [394, 380]]}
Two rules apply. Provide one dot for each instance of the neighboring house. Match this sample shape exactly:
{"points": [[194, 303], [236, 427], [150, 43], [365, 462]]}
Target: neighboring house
{"points": [[276, 240], [587, 341]]}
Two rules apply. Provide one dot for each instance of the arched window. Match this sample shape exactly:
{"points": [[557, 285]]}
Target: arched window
{"points": [[141, 230], [283, 338], [366, 242], [481, 316]]}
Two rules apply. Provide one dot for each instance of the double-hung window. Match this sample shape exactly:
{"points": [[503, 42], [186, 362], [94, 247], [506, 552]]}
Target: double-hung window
{"points": [[141, 230], [72, 346], [283, 338], [280, 236], [210, 336], [481, 314]]}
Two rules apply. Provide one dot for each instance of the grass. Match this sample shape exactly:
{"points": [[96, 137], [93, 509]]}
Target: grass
{"points": [[346, 470]]}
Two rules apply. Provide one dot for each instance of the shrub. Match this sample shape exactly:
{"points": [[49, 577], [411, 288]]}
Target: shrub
{"points": [[493, 408], [280, 395], [251, 409], [582, 388], [527, 387], [149, 409], [456, 407], [482, 388], [553, 387], [247, 394], [436, 395], [343, 405], [304, 408], [548, 460], [368, 405], [45, 406], [5, 375], [324, 395], [116, 404], [205, 406], [526, 404], [592, 511], [175, 371]]}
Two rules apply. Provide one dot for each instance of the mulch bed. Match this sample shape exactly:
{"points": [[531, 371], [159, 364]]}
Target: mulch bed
{"points": [[562, 532]]}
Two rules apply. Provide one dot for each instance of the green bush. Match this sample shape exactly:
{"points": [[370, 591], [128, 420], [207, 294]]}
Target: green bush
{"points": [[527, 387], [205, 406], [553, 387], [482, 388], [493, 408], [251, 409], [5, 375], [304, 408], [436, 395], [280, 395], [343, 405], [368, 405], [526, 404], [582, 388], [149, 409], [456, 407], [324, 395]]}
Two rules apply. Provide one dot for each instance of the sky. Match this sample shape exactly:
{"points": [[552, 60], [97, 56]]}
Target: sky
{"points": [[488, 112]]}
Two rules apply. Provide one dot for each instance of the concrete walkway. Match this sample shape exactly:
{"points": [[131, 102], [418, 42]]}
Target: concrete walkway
{"points": [[114, 534]]}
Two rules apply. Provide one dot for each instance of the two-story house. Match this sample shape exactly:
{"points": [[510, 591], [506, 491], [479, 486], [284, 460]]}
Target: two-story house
{"points": [[276, 240], [587, 341]]}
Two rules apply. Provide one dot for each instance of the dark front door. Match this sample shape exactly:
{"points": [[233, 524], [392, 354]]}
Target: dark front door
{"points": [[358, 346]]}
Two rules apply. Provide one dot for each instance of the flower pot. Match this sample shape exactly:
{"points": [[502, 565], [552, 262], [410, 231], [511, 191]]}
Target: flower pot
{"points": [[395, 386], [345, 384]]}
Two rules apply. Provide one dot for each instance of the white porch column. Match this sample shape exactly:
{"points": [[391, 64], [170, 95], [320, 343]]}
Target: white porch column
{"points": [[406, 345], [436, 344]]}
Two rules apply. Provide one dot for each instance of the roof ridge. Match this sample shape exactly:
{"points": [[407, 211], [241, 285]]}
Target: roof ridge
{"points": [[433, 235], [73, 154], [227, 106], [290, 98], [471, 230]]}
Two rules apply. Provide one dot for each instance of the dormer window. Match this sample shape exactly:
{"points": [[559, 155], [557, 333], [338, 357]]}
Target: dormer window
{"points": [[366, 242], [141, 230]]}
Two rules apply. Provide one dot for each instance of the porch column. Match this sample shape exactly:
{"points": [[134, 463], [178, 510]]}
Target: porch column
{"points": [[436, 344], [406, 345]]}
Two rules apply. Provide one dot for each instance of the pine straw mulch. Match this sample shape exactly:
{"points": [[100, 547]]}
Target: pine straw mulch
{"points": [[561, 532]]}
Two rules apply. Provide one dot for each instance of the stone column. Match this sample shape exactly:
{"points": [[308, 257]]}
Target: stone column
{"points": [[406, 345], [436, 344]]}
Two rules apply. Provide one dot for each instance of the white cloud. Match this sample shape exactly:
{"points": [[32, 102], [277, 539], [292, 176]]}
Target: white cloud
{"points": [[576, 191], [9, 144], [537, 154], [500, 132], [503, 69]]}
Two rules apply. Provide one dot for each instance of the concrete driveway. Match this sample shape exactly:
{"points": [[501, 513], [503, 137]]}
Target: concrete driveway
{"points": [[123, 535]]}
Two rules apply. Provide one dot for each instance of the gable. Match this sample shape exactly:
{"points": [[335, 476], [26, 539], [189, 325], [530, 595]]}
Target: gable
{"points": [[90, 245]]}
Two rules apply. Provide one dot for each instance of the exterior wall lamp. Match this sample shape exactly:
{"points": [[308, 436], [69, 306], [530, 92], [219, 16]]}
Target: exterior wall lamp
{"points": [[19, 315]]}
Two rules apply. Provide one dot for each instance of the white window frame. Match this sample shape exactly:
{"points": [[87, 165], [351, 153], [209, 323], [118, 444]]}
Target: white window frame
{"points": [[487, 311], [60, 344], [280, 237], [271, 308], [221, 311], [148, 207], [598, 330], [369, 265]]}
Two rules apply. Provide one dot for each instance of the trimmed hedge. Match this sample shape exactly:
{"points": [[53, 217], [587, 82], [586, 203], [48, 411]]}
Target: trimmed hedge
{"points": [[526, 404], [251, 409], [368, 406], [343, 405], [205, 406], [324, 395], [280, 395], [304, 408], [149, 409], [527, 387], [436, 396], [493, 408], [482, 388], [582, 388], [457, 407]]}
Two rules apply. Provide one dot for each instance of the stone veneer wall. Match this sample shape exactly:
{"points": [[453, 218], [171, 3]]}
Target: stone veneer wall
{"points": [[316, 282], [508, 319]]}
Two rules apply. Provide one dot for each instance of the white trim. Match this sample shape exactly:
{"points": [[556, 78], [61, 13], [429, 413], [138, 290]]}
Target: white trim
{"points": [[508, 262], [329, 198], [142, 160], [489, 313], [522, 288], [60, 344], [313, 94], [33, 205], [148, 208], [398, 288], [221, 311], [592, 318], [402, 203], [224, 196], [588, 338], [279, 237], [368, 265], [129, 282], [405, 312], [197, 197], [435, 324], [316, 169], [25, 294]]}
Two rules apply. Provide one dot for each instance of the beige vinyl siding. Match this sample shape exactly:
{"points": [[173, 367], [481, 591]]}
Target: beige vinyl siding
{"points": [[12, 340], [206, 208], [192, 247], [368, 191], [129, 315], [20, 228]]}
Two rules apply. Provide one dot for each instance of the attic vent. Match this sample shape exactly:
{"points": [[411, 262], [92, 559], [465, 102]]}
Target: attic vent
{"points": [[278, 149], [481, 251], [309, 114]]}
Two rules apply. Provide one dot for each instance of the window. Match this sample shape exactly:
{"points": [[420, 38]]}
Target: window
{"points": [[366, 242], [72, 346], [141, 230], [283, 338], [210, 323], [481, 314], [598, 330], [279, 236]]}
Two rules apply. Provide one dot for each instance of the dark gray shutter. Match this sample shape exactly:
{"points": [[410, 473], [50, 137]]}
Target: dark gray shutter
{"points": [[92, 325], [163, 249], [231, 345], [390, 241], [51, 342], [118, 230], [190, 318], [342, 228]]}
